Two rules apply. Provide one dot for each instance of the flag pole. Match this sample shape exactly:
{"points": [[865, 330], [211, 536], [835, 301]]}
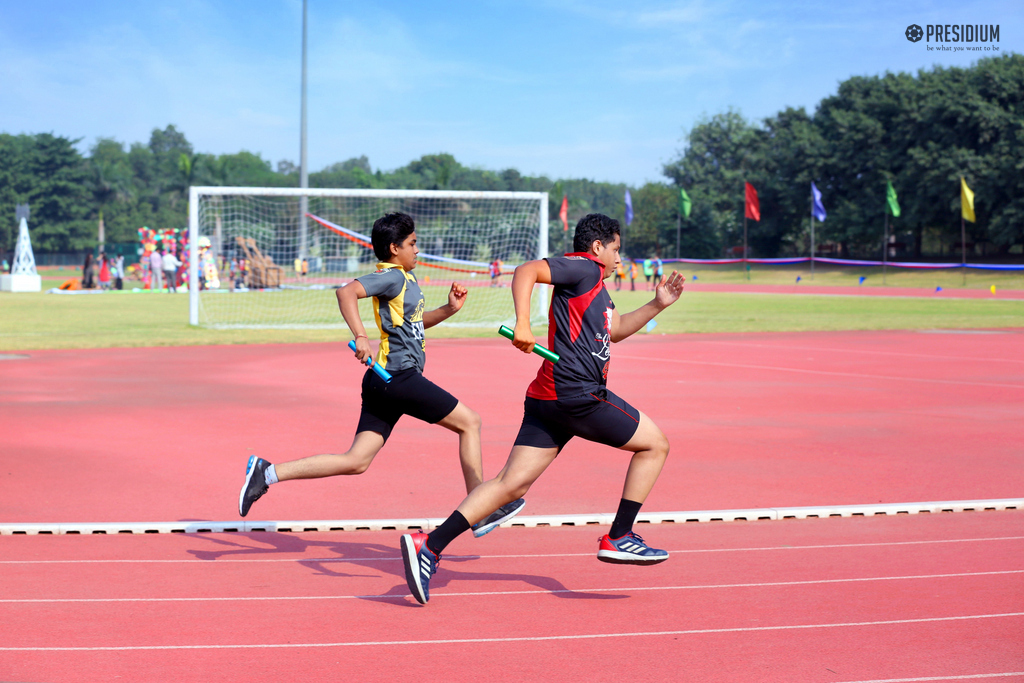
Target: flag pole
{"points": [[812, 235], [745, 266], [679, 227], [885, 248], [963, 248]]}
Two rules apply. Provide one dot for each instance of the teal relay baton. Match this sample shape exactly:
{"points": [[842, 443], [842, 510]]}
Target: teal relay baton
{"points": [[507, 332], [381, 372]]}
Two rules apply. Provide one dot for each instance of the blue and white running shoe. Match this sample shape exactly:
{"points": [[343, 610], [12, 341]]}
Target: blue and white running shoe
{"points": [[420, 564], [255, 484], [498, 517], [630, 549]]}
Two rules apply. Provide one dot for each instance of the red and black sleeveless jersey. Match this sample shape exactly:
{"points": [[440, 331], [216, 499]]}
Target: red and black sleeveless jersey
{"points": [[579, 329]]}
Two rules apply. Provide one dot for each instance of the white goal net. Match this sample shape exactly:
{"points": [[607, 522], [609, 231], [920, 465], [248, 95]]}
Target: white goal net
{"points": [[254, 262]]}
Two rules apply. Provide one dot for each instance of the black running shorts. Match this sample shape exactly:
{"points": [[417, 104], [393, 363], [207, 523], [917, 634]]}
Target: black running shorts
{"points": [[600, 416], [408, 393]]}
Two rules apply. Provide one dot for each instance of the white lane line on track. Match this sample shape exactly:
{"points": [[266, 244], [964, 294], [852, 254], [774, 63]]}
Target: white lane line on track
{"points": [[513, 639], [858, 375], [941, 678], [263, 598], [452, 557]]}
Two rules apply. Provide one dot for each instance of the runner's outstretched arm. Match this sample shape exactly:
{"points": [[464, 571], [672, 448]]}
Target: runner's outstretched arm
{"points": [[348, 303], [523, 280], [667, 293], [456, 297]]}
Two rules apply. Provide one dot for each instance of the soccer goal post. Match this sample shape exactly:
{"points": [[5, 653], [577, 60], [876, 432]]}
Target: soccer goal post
{"points": [[272, 257]]}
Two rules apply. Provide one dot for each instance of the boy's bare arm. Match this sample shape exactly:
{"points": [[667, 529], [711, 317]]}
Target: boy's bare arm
{"points": [[523, 280], [666, 294], [456, 298], [348, 304]]}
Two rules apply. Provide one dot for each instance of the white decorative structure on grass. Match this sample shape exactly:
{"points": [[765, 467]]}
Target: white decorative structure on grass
{"points": [[23, 276], [460, 234]]}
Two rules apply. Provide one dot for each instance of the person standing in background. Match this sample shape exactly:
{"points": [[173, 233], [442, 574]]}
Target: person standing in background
{"points": [[170, 266], [104, 272], [87, 272], [156, 269]]}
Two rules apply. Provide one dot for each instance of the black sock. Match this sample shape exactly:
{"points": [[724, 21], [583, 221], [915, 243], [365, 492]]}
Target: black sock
{"points": [[439, 538], [624, 518]]}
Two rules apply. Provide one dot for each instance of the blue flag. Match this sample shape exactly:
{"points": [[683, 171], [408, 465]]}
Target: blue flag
{"points": [[629, 208], [817, 209]]}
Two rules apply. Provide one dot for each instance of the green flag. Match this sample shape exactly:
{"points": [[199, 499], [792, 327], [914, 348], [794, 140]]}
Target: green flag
{"points": [[684, 203], [890, 200]]}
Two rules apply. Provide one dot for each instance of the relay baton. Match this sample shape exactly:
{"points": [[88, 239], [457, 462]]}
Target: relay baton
{"points": [[507, 332], [381, 372]]}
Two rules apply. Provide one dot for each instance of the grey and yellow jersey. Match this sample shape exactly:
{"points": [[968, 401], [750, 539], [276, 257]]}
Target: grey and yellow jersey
{"points": [[398, 310]]}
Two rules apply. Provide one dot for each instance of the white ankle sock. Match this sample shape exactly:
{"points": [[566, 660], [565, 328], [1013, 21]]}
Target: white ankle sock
{"points": [[270, 475]]}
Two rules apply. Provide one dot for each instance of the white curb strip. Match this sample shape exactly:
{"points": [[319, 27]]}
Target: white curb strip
{"points": [[298, 526]]}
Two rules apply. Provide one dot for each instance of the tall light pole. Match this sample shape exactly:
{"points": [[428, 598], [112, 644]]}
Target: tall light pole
{"points": [[303, 168]]}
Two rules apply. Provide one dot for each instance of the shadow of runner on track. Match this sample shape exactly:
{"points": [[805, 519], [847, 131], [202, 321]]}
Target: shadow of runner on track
{"points": [[386, 558]]}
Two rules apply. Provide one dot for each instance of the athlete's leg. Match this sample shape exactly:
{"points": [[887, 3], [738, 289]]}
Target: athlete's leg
{"points": [[466, 423], [524, 465], [650, 449], [355, 460]]}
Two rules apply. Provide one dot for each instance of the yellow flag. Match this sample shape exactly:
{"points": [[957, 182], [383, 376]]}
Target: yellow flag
{"points": [[966, 201]]}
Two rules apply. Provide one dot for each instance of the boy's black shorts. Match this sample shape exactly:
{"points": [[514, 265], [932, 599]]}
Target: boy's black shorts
{"points": [[600, 416], [408, 393]]}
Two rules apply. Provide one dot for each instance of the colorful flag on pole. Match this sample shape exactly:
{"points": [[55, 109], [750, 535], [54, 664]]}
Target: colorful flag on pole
{"points": [[890, 200], [752, 207], [966, 201], [817, 208], [564, 213], [684, 203], [629, 208]]}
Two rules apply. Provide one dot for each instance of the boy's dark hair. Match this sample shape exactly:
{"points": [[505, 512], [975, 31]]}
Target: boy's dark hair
{"points": [[595, 226], [391, 228]]}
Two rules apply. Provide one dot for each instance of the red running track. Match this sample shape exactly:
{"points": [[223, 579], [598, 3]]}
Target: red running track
{"points": [[923, 597], [755, 420]]}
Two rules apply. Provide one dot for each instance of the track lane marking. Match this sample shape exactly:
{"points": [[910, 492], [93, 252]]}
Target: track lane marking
{"points": [[940, 678], [538, 555], [264, 598], [830, 373], [514, 639]]}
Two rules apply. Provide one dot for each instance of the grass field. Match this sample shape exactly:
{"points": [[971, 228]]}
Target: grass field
{"points": [[767, 275], [46, 321]]}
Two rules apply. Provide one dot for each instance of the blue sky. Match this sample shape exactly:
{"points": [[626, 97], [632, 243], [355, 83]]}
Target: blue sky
{"points": [[564, 88]]}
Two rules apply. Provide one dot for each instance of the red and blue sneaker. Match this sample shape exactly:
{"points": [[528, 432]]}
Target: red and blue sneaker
{"points": [[420, 564], [629, 549]]}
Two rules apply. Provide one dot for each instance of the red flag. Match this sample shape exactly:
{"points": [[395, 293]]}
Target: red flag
{"points": [[564, 213], [753, 207]]}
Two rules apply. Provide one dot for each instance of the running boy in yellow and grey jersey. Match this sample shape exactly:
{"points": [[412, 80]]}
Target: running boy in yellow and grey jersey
{"points": [[398, 308]]}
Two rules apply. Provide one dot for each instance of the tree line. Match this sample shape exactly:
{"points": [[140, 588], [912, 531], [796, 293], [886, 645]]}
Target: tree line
{"points": [[921, 132]]}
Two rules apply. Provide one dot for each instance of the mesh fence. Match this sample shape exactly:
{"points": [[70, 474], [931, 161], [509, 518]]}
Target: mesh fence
{"points": [[274, 271]]}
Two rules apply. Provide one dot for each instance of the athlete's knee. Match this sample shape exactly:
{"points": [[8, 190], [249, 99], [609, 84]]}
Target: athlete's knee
{"points": [[513, 488], [355, 464], [473, 421]]}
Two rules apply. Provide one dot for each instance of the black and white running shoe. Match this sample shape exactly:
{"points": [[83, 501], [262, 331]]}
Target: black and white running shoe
{"points": [[255, 484], [499, 516], [630, 549]]}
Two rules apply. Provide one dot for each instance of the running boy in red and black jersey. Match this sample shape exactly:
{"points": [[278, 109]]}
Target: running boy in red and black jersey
{"points": [[568, 398], [400, 315]]}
